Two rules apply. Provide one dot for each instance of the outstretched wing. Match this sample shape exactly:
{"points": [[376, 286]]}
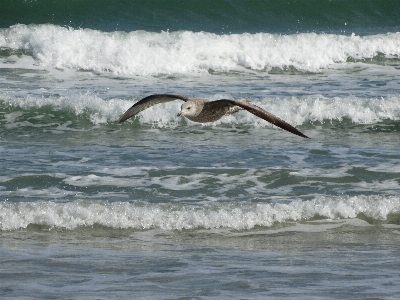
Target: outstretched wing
{"points": [[148, 102], [259, 112]]}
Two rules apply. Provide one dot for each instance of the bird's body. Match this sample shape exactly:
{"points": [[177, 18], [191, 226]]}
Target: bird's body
{"points": [[203, 111]]}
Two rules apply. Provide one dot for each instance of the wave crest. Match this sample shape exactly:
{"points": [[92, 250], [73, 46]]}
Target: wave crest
{"points": [[141, 53], [178, 217], [296, 110]]}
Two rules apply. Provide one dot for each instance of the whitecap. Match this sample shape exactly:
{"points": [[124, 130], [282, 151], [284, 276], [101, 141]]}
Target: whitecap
{"points": [[148, 53], [238, 216]]}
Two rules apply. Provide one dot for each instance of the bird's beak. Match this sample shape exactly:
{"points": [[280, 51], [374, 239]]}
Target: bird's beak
{"points": [[179, 114]]}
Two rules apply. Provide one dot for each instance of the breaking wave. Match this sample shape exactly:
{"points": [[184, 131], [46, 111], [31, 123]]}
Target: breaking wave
{"points": [[19, 111], [143, 53], [138, 215]]}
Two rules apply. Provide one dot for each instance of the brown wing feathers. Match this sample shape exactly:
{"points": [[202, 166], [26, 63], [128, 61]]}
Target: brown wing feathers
{"points": [[254, 109], [148, 102], [259, 112]]}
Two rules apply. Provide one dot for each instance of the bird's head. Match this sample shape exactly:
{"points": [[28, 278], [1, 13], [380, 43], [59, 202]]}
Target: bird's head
{"points": [[190, 109]]}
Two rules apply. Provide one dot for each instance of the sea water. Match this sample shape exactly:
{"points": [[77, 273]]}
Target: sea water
{"points": [[160, 207]]}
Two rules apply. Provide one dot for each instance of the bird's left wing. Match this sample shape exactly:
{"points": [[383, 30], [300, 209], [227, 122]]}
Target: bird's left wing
{"points": [[148, 102], [259, 112]]}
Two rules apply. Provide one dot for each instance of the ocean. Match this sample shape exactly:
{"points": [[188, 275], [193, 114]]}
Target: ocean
{"points": [[160, 207]]}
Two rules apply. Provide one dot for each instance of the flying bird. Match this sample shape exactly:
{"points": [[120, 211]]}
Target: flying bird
{"points": [[203, 110]]}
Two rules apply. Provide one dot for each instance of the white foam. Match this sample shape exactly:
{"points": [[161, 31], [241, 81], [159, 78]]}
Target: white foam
{"points": [[5, 178], [338, 172], [240, 216], [295, 110], [393, 165], [49, 193], [172, 182], [147, 53], [100, 111]]}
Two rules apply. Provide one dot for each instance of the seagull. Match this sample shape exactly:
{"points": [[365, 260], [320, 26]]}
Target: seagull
{"points": [[203, 110]]}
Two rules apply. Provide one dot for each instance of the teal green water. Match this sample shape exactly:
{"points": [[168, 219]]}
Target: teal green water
{"points": [[360, 16]]}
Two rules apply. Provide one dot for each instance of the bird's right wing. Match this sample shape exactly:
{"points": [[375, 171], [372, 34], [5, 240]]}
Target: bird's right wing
{"points": [[148, 102], [261, 113]]}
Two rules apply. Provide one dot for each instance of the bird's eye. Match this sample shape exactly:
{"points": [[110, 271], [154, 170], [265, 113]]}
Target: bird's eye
{"points": [[188, 108]]}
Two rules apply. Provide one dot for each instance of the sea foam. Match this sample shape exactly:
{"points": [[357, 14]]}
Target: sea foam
{"points": [[148, 53], [138, 215], [296, 110]]}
